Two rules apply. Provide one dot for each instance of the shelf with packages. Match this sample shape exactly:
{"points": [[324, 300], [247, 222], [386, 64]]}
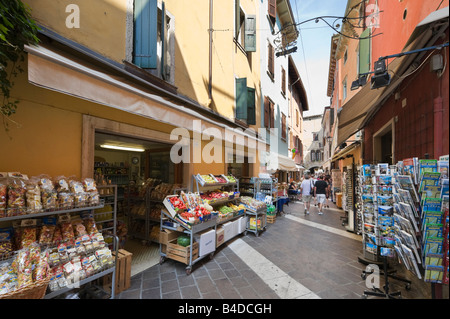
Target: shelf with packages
{"points": [[267, 191], [104, 217], [247, 186], [144, 207]]}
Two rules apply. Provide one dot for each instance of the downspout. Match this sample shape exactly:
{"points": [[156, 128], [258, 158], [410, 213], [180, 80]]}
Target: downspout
{"points": [[210, 51], [438, 116]]}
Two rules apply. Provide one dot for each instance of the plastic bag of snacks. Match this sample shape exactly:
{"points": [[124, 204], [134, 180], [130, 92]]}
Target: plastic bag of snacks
{"points": [[48, 192], [47, 231], [6, 246], [65, 197], [3, 192], [90, 188], [16, 194], [77, 189], [33, 195], [42, 267]]}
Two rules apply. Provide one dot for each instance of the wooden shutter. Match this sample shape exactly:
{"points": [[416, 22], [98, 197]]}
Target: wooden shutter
{"points": [[145, 33], [364, 52], [251, 110], [272, 115], [283, 80], [266, 112], [163, 40], [272, 9], [237, 18], [283, 126], [241, 98], [250, 33], [270, 62]]}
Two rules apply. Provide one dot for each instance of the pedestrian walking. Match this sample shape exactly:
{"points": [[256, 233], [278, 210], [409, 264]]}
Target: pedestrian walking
{"points": [[321, 191], [306, 189]]}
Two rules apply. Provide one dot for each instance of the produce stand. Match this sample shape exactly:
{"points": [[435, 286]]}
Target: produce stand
{"points": [[169, 222]]}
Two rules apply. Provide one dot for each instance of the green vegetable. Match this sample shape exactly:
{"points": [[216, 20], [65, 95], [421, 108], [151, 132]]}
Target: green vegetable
{"points": [[183, 241]]}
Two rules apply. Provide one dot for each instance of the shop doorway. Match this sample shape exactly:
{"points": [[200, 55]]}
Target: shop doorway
{"points": [[383, 144], [142, 170]]}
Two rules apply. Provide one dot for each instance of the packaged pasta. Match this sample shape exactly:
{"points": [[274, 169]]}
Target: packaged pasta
{"points": [[3, 192], [42, 269], [33, 195], [67, 231], [78, 228], [16, 194], [48, 192], [29, 236], [61, 184], [6, 246], [89, 185], [47, 231]]}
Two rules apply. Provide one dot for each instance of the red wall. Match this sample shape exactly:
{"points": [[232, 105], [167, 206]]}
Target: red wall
{"points": [[414, 129]]}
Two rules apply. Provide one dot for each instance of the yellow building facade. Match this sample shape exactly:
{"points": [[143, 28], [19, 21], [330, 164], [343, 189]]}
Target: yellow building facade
{"points": [[82, 81]]}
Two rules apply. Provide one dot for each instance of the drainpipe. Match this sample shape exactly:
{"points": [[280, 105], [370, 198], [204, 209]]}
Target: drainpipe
{"points": [[438, 116], [210, 51]]}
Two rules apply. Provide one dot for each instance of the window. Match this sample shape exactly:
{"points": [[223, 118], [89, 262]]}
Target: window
{"points": [[283, 81], [245, 28], [272, 10], [296, 118], [270, 62], [153, 34], [364, 52], [269, 115], [345, 56], [283, 126], [313, 156], [245, 102], [315, 136]]}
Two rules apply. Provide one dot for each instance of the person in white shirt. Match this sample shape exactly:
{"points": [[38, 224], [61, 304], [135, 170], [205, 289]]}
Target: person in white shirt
{"points": [[305, 192]]}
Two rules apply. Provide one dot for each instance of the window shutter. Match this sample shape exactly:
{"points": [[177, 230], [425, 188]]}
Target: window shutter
{"points": [[250, 33], [272, 115], [283, 80], [237, 18], [266, 112], [270, 62], [283, 126], [364, 52], [241, 98], [145, 33], [272, 10], [251, 110], [163, 40]]}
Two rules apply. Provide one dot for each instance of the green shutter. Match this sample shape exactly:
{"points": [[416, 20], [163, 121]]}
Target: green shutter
{"points": [[241, 98], [251, 110], [163, 40], [364, 52], [250, 33], [237, 18], [145, 33]]}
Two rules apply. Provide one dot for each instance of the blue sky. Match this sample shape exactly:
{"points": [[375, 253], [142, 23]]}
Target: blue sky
{"points": [[313, 48]]}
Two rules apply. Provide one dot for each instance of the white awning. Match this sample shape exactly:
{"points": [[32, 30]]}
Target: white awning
{"points": [[280, 162]]}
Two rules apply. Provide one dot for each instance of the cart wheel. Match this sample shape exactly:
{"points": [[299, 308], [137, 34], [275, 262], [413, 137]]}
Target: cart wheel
{"points": [[364, 297], [188, 271], [161, 259], [363, 275], [256, 234], [211, 255], [245, 233], [408, 286]]}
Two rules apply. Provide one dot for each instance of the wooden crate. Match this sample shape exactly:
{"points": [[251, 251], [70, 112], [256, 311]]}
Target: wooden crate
{"points": [[271, 219], [123, 272], [180, 253]]}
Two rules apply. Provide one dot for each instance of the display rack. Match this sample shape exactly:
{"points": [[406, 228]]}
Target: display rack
{"points": [[191, 231], [247, 186], [108, 193], [258, 215], [110, 271], [267, 187]]}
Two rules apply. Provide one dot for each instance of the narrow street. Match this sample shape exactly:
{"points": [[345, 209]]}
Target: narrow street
{"points": [[297, 257]]}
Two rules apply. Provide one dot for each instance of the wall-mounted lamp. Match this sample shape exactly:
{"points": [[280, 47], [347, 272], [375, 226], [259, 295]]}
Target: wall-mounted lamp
{"points": [[381, 78], [361, 81]]}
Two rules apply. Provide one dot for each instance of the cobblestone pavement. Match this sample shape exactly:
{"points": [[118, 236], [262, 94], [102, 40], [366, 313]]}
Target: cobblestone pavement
{"points": [[298, 256]]}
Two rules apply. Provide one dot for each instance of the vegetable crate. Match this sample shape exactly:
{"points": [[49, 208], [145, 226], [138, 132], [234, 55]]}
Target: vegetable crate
{"points": [[180, 253], [271, 218], [123, 272]]}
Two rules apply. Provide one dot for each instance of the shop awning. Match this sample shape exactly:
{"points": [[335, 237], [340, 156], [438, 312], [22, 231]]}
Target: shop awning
{"points": [[345, 151], [280, 162], [360, 108], [61, 72]]}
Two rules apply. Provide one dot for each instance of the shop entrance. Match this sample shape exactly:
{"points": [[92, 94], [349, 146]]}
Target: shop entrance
{"points": [[143, 173]]}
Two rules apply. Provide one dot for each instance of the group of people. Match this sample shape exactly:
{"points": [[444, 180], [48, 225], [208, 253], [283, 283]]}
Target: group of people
{"points": [[309, 189]]}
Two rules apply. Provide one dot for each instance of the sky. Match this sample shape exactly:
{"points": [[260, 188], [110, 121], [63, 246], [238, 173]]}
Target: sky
{"points": [[313, 48]]}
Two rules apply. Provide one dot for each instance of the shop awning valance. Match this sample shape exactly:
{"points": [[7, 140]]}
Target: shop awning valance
{"points": [[360, 108], [280, 162], [345, 151], [61, 72]]}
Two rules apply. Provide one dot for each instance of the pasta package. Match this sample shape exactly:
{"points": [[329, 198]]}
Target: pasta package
{"points": [[16, 194], [33, 195], [48, 192]]}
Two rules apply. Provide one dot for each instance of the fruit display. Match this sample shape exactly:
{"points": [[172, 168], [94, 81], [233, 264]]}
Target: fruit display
{"points": [[208, 179], [213, 196], [231, 178], [177, 203], [221, 179]]}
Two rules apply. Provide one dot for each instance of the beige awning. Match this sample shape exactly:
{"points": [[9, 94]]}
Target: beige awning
{"points": [[359, 109], [280, 162], [344, 152]]}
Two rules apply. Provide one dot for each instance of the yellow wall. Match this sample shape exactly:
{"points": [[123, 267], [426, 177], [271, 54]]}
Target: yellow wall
{"points": [[102, 23]]}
